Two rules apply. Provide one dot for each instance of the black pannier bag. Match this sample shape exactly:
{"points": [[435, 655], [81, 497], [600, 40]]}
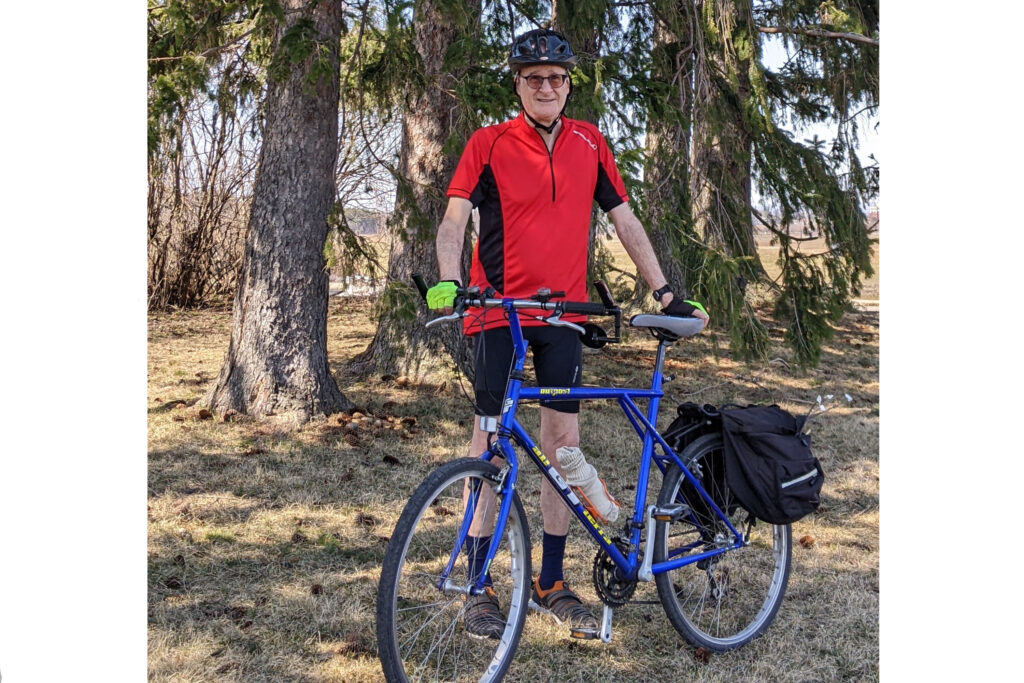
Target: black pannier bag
{"points": [[692, 422], [769, 465]]}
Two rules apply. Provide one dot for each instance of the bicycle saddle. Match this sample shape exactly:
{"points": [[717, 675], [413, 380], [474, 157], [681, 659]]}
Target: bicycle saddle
{"points": [[670, 327]]}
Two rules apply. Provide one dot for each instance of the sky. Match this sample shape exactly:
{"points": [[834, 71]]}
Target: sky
{"points": [[72, 271], [774, 56]]}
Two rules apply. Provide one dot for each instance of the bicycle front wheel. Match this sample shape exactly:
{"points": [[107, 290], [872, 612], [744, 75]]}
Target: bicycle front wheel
{"points": [[725, 601], [421, 634]]}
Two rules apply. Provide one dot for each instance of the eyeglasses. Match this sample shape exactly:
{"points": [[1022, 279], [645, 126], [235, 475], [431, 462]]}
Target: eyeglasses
{"points": [[535, 81]]}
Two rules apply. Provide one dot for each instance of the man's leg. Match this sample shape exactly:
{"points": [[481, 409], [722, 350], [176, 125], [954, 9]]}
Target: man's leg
{"points": [[549, 590], [493, 353], [484, 617], [558, 358], [556, 430], [483, 518]]}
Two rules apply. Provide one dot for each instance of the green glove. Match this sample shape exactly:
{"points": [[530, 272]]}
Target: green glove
{"points": [[696, 304], [442, 295], [684, 308]]}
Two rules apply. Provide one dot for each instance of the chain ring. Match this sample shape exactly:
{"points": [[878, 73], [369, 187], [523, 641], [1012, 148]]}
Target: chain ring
{"points": [[612, 591]]}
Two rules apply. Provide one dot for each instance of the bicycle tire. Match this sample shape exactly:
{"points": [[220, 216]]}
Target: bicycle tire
{"points": [[420, 629], [726, 601]]}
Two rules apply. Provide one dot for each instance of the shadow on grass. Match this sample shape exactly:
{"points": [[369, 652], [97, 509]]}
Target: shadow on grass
{"points": [[265, 544]]}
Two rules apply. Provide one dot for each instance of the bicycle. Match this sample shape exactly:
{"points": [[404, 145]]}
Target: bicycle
{"points": [[720, 577]]}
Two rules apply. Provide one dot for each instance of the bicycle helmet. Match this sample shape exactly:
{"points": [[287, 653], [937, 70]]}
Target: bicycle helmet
{"points": [[541, 46]]}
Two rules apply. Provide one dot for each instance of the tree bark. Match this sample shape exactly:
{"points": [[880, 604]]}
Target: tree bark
{"points": [[578, 20], [668, 141], [431, 116], [276, 362]]}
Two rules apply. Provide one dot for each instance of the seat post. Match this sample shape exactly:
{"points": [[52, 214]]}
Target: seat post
{"points": [[659, 362]]}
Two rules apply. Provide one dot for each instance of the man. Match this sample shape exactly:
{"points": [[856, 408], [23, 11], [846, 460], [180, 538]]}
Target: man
{"points": [[534, 180]]}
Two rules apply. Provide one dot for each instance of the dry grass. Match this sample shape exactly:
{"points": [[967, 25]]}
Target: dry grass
{"points": [[265, 542]]}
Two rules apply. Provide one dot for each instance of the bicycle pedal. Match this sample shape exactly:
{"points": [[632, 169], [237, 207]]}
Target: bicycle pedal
{"points": [[670, 513], [584, 633]]}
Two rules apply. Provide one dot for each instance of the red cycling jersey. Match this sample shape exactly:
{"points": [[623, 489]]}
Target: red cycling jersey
{"points": [[534, 209]]}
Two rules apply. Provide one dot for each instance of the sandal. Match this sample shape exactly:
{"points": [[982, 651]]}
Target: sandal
{"points": [[566, 607], [483, 617]]}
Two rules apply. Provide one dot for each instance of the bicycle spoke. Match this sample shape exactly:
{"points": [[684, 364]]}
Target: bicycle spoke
{"points": [[724, 601], [421, 630]]}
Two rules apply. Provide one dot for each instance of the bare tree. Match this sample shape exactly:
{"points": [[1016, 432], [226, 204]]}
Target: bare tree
{"points": [[199, 191]]}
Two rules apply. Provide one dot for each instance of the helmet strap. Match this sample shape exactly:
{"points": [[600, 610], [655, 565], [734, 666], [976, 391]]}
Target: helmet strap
{"points": [[538, 124], [534, 122]]}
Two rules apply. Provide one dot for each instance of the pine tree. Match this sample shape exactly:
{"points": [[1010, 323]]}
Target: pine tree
{"points": [[736, 142], [435, 127], [276, 362]]}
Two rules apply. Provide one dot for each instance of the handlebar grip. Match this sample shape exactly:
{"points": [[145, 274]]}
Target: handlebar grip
{"points": [[584, 308], [420, 284]]}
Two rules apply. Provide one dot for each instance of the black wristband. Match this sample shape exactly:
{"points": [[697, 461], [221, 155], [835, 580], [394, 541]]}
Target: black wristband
{"points": [[658, 293]]}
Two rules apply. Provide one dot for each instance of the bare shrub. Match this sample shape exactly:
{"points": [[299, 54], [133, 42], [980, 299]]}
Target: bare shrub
{"points": [[199, 196]]}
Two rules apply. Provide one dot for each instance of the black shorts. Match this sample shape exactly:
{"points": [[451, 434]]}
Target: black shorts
{"points": [[557, 360]]}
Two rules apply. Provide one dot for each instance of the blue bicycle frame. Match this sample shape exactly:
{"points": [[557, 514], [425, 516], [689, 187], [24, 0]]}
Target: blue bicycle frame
{"points": [[510, 430]]}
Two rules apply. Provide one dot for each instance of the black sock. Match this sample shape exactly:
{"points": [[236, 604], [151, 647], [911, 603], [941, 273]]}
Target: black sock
{"points": [[551, 561], [476, 553]]}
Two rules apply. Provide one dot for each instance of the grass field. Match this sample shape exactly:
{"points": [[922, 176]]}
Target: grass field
{"points": [[265, 541]]}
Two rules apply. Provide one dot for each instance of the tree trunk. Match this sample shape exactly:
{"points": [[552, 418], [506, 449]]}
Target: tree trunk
{"points": [[669, 215], [721, 171], [721, 144], [277, 358], [401, 341], [578, 21]]}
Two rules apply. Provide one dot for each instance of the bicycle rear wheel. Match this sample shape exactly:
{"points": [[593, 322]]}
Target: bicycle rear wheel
{"points": [[725, 601], [421, 633]]}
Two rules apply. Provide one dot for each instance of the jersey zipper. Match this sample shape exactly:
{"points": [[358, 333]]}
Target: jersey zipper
{"points": [[551, 162], [551, 165]]}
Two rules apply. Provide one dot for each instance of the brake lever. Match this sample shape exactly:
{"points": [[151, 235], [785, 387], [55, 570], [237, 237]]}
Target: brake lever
{"points": [[557, 321], [444, 318]]}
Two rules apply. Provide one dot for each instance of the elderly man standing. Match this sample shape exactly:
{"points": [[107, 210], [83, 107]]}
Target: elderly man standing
{"points": [[534, 180]]}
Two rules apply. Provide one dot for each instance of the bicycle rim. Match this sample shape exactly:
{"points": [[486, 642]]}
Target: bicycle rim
{"points": [[726, 601], [420, 628]]}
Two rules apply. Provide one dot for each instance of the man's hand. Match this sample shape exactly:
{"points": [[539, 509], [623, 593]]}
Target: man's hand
{"points": [[686, 309], [441, 297]]}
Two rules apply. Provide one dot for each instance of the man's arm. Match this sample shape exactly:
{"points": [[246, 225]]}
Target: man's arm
{"points": [[634, 239], [450, 235]]}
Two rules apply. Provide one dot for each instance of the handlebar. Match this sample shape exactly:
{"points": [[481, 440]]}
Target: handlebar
{"points": [[472, 297], [465, 299]]}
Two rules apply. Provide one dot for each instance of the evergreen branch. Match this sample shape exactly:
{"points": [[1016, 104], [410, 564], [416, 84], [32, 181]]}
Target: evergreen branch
{"points": [[209, 51], [820, 33], [774, 228]]}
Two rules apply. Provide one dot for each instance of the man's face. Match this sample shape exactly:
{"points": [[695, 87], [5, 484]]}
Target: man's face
{"points": [[545, 103]]}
